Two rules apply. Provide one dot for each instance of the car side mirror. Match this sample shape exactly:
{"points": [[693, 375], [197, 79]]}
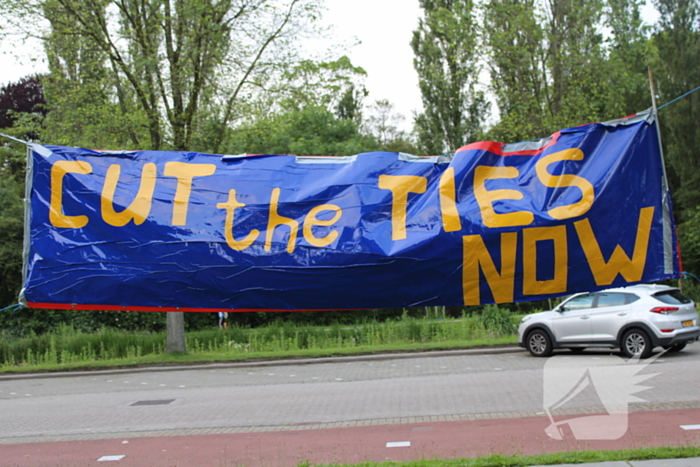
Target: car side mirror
{"points": [[560, 309]]}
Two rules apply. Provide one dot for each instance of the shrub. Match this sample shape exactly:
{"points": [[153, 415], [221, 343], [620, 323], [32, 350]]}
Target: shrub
{"points": [[497, 320]]}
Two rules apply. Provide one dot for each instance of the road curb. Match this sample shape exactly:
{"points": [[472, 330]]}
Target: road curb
{"points": [[266, 363]]}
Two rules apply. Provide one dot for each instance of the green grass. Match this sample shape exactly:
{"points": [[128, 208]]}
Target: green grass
{"points": [[580, 457], [67, 349]]}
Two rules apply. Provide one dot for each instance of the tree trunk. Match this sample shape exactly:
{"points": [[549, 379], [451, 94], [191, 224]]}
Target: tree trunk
{"points": [[175, 326]]}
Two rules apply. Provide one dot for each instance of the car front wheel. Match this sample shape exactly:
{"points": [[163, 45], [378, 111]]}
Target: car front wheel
{"points": [[539, 344], [636, 342]]}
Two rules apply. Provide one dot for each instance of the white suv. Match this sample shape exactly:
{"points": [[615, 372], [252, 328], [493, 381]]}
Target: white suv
{"points": [[634, 319]]}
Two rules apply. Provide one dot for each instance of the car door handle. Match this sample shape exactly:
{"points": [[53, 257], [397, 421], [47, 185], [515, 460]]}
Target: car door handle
{"points": [[585, 317], [621, 314]]}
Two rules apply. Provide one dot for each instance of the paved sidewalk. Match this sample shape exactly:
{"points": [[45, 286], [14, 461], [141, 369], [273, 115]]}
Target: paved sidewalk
{"points": [[266, 363]]}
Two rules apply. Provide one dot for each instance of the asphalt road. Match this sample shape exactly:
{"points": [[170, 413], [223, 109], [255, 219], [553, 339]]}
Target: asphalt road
{"points": [[223, 399]]}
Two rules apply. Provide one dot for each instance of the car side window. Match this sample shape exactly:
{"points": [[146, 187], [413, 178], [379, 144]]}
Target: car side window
{"points": [[611, 299], [631, 298], [579, 303]]}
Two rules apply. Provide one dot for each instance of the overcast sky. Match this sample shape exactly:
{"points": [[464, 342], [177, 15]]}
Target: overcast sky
{"points": [[382, 27]]}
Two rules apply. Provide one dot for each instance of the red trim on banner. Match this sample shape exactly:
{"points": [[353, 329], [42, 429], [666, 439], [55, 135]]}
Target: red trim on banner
{"points": [[497, 148], [73, 306]]}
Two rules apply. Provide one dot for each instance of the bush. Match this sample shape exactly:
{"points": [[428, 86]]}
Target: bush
{"points": [[497, 320]]}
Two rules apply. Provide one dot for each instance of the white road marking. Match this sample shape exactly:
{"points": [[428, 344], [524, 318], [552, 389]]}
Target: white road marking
{"points": [[398, 444], [690, 427], [111, 458]]}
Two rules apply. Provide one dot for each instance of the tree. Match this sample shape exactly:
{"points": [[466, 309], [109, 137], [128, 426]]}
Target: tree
{"points": [[628, 55], [164, 61], [445, 46], [350, 105], [22, 108], [314, 108], [169, 60], [311, 130], [383, 122], [515, 44], [551, 66], [11, 234], [25, 96], [677, 71], [676, 47]]}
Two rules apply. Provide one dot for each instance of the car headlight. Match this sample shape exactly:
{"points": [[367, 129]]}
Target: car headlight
{"points": [[525, 318]]}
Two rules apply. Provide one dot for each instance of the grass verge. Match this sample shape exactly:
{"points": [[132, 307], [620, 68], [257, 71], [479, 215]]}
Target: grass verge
{"points": [[580, 457], [163, 359], [67, 349]]}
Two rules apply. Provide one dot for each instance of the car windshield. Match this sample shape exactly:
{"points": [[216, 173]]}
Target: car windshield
{"points": [[672, 297]]}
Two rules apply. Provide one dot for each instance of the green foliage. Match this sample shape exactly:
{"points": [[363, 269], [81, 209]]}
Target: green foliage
{"points": [[382, 122], [689, 237], [514, 39], [65, 344], [349, 106], [28, 321], [629, 53], [497, 320], [335, 84], [21, 115], [691, 288], [11, 235], [147, 74], [445, 46], [676, 68], [311, 130], [551, 67], [559, 458]]}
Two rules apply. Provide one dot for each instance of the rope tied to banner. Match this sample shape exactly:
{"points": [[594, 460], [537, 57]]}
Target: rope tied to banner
{"points": [[686, 273], [678, 98], [16, 140], [14, 307]]}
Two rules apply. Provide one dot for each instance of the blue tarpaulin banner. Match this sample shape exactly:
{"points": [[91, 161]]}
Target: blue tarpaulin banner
{"points": [[582, 210]]}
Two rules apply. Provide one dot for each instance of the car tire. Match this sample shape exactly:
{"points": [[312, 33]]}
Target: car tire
{"points": [[675, 348], [636, 342], [539, 344]]}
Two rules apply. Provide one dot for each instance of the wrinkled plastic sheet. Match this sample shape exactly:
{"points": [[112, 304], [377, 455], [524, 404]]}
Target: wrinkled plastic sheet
{"points": [[581, 210]]}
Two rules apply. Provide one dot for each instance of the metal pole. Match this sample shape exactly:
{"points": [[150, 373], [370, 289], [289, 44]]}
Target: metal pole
{"points": [[668, 245]]}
